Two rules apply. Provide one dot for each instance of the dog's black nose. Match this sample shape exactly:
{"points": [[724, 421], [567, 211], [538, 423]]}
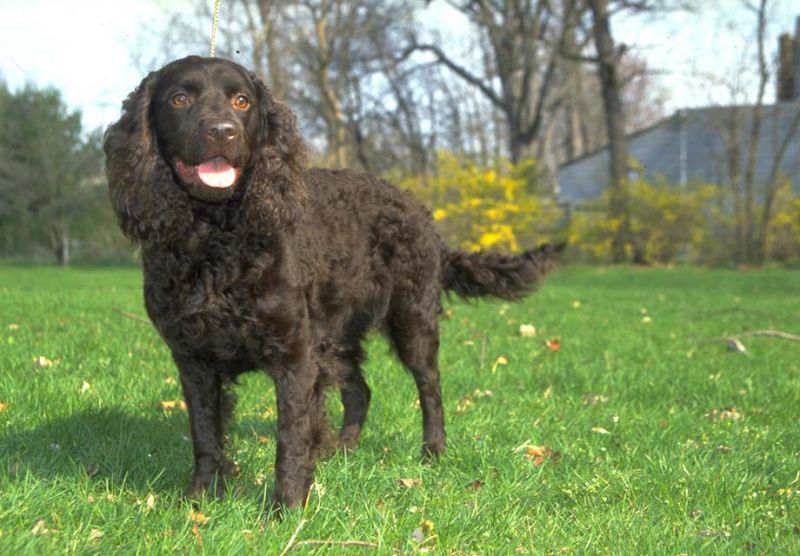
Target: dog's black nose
{"points": [[221, 131]]}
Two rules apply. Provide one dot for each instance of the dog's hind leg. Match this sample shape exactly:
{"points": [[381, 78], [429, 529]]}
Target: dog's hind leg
{"points": [[414, 332]]}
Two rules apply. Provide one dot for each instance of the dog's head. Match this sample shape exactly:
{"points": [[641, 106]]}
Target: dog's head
{"points": [[202, 131], [206, 121]]}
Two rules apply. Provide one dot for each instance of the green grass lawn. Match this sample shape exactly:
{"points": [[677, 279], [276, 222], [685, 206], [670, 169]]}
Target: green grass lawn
{"points": [[636, 436]]}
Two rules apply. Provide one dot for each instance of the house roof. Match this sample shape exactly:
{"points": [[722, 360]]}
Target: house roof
{"points": [[678, 115]]}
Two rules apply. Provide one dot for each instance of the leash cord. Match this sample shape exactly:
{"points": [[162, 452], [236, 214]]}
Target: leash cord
{"points": [[214, 25]]}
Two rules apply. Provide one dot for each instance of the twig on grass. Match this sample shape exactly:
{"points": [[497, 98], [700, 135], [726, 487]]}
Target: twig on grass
{"points": [[362, 544], [290, 544], [771, 333], [131, 316], [735, 344]]}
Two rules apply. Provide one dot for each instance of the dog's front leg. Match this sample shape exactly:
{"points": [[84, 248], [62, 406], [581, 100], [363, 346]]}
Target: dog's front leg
{"points": [[202, 390], [301, 425]]}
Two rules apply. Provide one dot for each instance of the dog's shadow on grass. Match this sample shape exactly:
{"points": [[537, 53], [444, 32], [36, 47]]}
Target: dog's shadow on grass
{"points": [[110, 447]]}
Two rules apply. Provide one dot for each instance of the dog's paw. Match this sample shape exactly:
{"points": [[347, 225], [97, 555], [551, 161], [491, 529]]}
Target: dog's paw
{"points": [[432, 451], [214, 486], [348, 439]]}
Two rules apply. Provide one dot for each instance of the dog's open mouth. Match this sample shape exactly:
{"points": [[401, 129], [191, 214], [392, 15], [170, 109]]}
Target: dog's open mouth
{"points": [[216, 172]]}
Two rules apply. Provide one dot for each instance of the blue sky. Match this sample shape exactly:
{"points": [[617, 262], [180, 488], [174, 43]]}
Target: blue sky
{"points": [[87, 48]]}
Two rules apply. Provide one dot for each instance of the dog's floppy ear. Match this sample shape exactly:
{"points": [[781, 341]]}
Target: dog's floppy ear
{"points": [[276, 193], [148, 203]]}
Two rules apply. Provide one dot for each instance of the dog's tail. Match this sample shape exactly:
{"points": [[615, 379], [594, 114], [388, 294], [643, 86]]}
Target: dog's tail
{"points": [[506, 276]]}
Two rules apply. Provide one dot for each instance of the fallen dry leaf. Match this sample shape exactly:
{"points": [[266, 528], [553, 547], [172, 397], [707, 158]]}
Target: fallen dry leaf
{"points": [[198, 536], [727, 413], [42, 362], [527, 330], [197, 518], [85, 387], [476, 485], [539, 453], [500, 361], [409, 483], [40, 528], [594, 399], [600, 430], [150, 501], [424, 532], [576, 304], [13, 326], [169, 405], [464, 404], [95, 534], [467, 401], [553, 344], [3, 406]]}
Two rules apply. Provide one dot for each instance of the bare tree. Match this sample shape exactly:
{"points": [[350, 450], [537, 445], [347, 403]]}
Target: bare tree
{"points": [[743, 134], [523, 40], [748, 244], [608, 63], [611, 85], [263, 25]]}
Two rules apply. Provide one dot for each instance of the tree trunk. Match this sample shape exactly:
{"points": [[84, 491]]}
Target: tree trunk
{"points": [[59, 242], [749, 248], [615, 125], [733, 158], [773, 185], [334, 116]]}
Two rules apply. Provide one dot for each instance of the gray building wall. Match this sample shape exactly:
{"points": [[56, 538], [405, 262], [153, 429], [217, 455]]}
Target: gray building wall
{"points": [[691, 146]]}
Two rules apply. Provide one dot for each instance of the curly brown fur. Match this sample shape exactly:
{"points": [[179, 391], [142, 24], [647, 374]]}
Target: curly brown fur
{"points": [[283, 269]]}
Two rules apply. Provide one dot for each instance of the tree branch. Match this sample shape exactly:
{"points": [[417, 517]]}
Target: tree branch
{"points": [[463, 73]]}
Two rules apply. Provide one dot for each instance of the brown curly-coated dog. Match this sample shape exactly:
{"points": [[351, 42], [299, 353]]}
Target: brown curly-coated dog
{"points": [[251, 261]]}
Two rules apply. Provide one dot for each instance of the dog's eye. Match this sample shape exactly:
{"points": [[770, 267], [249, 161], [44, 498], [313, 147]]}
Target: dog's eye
{"points": [[241, 102], [179, 100]]}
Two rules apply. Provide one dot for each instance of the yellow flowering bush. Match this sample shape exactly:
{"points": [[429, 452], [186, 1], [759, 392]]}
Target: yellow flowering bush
{"points": [[487, 209], [783, 236], [666, 222]]}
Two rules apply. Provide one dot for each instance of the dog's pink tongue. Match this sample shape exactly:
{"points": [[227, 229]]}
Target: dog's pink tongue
{"points": [[216, 172]]}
